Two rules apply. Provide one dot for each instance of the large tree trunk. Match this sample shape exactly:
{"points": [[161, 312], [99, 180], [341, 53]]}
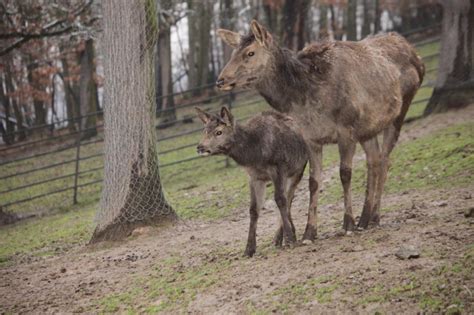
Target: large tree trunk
{"points": [[454, 86], [88, 92], [168, 114], [377, 14], [132, 195], [351, 20]]}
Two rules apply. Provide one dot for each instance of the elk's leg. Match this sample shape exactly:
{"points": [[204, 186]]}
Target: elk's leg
{"points": [[390, 138], [346, 152], [372, 152], [315, 168], [257, 198], [282, 203], [293, 183]]}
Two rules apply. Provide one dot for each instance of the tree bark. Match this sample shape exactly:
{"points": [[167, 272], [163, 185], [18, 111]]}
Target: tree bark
{"points": [[294, 17], [132, 195], [88, 91], [454, 86], [9, 83]]}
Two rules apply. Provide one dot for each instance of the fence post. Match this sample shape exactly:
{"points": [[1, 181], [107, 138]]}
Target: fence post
{"points": [[230, 101], [78, 155]]}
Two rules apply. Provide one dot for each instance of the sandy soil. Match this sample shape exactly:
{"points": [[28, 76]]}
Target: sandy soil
{"points": [[354, 268]]}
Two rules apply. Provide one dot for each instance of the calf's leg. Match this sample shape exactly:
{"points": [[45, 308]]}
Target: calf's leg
{"points": [[257, 197], [293, 183], [282, 203], [315, 168]]}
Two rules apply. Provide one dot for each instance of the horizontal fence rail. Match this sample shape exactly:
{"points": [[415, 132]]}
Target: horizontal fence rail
{"points": [[62, 150]]}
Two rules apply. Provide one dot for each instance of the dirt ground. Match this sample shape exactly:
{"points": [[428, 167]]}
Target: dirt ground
{"points": [[357, 273]]}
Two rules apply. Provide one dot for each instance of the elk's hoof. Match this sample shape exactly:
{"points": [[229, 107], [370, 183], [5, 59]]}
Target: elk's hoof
{"points": [[249, 252], [309, 233], [349, 222], [278, 239]]}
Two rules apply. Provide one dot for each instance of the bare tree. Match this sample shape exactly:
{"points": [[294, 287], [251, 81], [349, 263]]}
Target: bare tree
{"points": [[351, 20], [454, 86], [132, 194]]}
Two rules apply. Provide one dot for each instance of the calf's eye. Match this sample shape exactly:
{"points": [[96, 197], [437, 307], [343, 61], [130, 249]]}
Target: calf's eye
{"points": [[218, 133], [250, 54]]}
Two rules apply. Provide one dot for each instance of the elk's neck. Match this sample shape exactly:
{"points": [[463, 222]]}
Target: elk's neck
{"points": [[287, 83], [245, 149]]}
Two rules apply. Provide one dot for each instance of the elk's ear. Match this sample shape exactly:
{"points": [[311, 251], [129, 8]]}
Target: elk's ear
{"points": [[226, 116], [205, 117], [262, 36], [230, 38]]}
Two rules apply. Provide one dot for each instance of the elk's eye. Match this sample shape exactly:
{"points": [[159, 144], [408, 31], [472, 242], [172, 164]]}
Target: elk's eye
{"points": [[250, 54], [218, 133]]}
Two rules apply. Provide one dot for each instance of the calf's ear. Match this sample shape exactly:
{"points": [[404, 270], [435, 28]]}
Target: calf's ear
{"points": [[226, 116], [230, 38], [205, 117], [262, 36]]}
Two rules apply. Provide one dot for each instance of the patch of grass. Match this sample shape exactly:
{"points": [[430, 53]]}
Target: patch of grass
{"points": [[47, 235], [316, 289], [170, 287]]}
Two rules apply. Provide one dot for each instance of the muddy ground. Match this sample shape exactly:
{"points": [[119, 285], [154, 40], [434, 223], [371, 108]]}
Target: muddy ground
{"points": [[197, 267]]}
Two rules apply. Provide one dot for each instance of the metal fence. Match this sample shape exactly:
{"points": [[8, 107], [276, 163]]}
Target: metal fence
{"points": [[62, 164]]}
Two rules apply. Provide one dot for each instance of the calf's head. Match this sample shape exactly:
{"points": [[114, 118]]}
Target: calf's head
{"points": [[218, 132], [250, 60]]}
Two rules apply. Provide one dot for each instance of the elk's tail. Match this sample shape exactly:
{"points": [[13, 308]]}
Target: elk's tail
{"points": [[419, 65]]}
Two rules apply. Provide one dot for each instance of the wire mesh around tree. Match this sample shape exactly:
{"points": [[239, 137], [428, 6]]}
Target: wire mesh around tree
{"points": [[132, 190]]}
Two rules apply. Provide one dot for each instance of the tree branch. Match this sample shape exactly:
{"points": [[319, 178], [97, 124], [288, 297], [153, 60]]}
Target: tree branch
{"points": [[25, 37]]}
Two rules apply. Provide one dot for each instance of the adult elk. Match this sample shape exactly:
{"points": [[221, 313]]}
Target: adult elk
{"points": [[338, 92]]}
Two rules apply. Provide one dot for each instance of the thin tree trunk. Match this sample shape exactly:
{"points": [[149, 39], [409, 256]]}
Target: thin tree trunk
{"points": [[88, 91], [68, 93], [351, 20], [21, 132], [367, 19], [227, 22], [7, 134], [168, 114], [323, 21], [377, 13], [454, 86], [38, 105]]}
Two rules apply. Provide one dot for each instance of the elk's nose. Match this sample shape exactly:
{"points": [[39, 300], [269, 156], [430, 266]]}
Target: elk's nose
{"points": [[220, 83]]}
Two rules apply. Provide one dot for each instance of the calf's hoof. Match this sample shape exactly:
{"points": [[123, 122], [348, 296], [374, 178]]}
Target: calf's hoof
{"points": [[309, 233], [278, 239], [349, 222], [375, 219]]}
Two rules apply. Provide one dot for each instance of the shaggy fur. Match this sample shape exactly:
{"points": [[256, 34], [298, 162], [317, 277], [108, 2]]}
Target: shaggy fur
{"points": [[270, 148]]}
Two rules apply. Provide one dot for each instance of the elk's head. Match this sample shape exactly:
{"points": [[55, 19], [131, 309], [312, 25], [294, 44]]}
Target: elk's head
{"points": [[250, 59], [218, 132]]}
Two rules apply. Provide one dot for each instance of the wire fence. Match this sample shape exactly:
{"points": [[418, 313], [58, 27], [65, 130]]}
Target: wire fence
{"points": [[64, 168]]}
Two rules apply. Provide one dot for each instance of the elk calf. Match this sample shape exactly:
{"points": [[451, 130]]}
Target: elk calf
{"points": [[270, 148]]}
